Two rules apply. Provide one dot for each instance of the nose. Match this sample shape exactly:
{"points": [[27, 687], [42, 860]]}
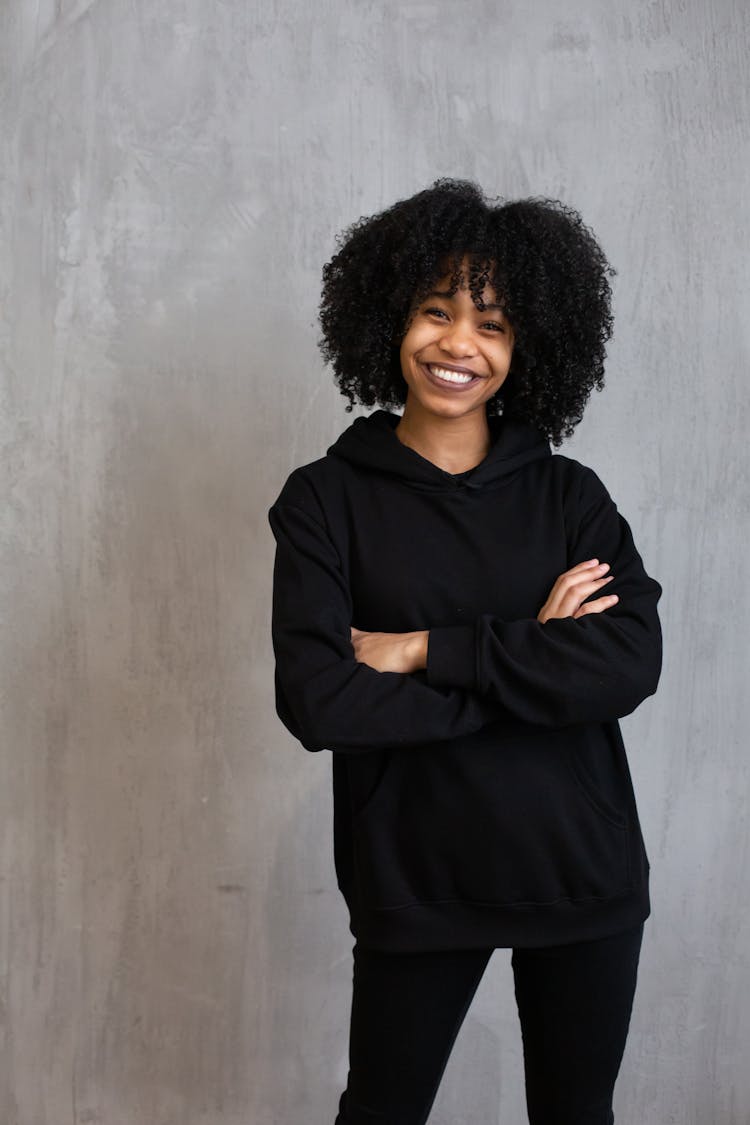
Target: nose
{"points": [[458, 339]]}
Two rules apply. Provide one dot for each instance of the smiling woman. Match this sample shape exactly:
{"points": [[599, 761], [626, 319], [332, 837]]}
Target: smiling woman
{"points": [[441, 625], [455, 355]]}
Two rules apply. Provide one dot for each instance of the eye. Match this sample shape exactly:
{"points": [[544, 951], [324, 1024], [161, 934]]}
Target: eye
{"points": [[494, 326], [435, 312]]}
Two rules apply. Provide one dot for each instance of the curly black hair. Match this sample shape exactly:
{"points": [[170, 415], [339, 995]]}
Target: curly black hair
{"points": [[544, 265]]}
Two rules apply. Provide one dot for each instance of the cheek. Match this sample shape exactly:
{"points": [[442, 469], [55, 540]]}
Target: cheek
{"points": [[508, 352], [402, 356], [411, 343], [502, 357]]}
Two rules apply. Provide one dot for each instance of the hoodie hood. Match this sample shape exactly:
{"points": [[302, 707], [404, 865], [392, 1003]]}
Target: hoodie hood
{"points": [[371, 443]]}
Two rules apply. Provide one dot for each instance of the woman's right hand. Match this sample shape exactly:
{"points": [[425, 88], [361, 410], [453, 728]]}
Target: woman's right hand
{"points": [[573, 587]]}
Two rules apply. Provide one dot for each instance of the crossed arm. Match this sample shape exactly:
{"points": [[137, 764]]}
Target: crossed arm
{"points": [[342, 688], [407, 652]]}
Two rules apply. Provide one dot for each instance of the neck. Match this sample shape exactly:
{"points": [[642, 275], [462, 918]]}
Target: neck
{"points": [[453, 444]]}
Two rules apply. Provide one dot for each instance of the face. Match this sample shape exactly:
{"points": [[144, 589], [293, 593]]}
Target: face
{"points": [[454, 357]]}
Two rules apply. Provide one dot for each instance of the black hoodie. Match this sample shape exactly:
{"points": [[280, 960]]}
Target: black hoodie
{"points": [[485, 801]]}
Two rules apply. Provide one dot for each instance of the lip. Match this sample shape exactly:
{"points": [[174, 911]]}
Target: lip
{"points": [[454, 387]]}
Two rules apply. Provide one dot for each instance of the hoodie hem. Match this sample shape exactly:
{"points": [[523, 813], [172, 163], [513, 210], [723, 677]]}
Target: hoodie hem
{"points": [[432, 926]]}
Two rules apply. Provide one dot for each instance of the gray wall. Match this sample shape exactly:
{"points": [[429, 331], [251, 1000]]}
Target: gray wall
{"points": [[173, 950]]}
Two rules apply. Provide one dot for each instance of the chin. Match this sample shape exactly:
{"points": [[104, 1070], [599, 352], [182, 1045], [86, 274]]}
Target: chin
{"points": [[454, 409]]}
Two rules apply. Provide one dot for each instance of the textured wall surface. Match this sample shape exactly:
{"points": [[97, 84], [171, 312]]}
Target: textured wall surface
{"points": [[173, 949]]}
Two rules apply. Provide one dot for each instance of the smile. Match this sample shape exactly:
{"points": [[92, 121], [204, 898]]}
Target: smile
{"points": [[448, 377]]}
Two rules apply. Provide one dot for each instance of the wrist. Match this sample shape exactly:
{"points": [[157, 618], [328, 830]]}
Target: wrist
{"points": [[420, 640]]}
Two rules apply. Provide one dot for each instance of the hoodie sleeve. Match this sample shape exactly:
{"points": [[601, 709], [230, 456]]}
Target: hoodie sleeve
{"points": [[324, 696], [567, 670]]}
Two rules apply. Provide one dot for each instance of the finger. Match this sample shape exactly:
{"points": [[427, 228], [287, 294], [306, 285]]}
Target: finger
{"points": [[570, 599], [584, 589], [588, 574], [597, 606], [574, 577], [587, 565]]}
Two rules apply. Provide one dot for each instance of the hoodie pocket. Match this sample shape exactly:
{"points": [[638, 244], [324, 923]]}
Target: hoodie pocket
{"points": [[597, 800], [498, 820]]}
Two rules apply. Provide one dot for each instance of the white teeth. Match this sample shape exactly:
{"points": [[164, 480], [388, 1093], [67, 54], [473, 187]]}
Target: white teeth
{"points": [[450, 376]]}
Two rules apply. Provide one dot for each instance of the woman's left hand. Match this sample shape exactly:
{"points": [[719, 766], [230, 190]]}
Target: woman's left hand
{"points": [[391, 652]]}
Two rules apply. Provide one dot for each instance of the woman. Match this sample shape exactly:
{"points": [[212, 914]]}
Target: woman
{"points": [[461, 617]]}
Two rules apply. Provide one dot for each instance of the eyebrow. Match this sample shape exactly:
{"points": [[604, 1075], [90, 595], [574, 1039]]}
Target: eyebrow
{"points": [[447, 296]]}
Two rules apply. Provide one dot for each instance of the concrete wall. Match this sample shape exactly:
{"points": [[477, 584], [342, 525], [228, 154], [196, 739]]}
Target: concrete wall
{"points": [[173, 950]]}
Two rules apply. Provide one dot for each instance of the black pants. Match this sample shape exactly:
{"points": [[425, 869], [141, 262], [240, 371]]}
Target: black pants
{"points": [[574, 1004]]}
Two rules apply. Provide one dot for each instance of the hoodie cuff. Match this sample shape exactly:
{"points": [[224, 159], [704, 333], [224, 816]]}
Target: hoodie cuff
{"points": [[451, 657]]}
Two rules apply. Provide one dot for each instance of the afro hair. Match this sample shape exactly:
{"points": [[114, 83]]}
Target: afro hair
{"points": [[544, 265]]}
